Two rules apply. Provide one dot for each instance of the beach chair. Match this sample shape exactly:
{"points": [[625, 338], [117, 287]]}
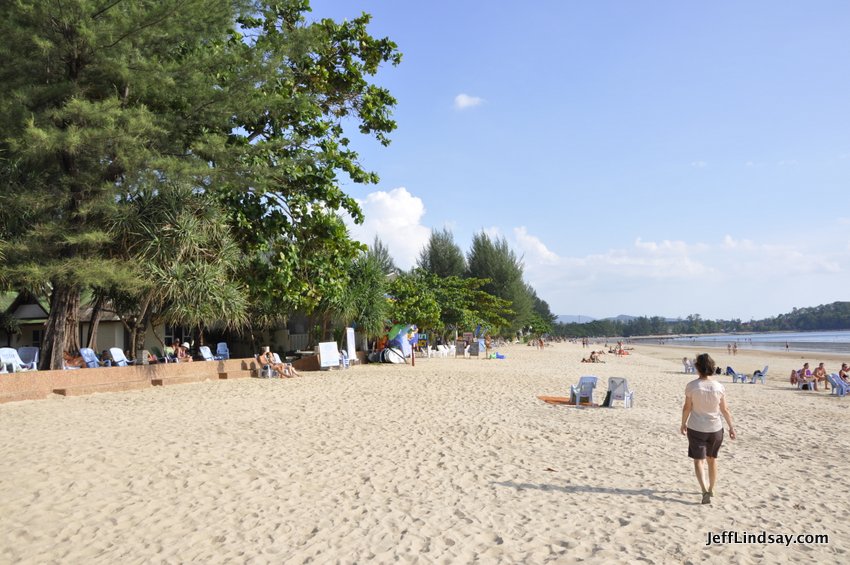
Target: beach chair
{"points": [[618, 389], [810, 385], [10, 358], [583, 391], [266, 370], [29, 357], [222, 353], [759, 375], [205, 353], [839, 387], [118, 358], [343, 359], [736, 376], [90, 357], [689, 366]]}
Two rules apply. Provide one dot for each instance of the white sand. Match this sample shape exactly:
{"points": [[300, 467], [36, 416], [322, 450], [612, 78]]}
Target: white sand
{"points": [[452, 461]]}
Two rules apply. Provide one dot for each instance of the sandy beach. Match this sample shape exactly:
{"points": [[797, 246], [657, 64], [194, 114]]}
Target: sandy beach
{"points": [[450, 461]]}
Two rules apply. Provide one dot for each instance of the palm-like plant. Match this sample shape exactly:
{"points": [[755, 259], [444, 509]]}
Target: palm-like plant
{"points": [[181, 243]]}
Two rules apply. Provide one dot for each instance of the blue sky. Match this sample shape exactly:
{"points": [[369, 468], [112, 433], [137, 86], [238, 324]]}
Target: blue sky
{"points": [[644, 158]]}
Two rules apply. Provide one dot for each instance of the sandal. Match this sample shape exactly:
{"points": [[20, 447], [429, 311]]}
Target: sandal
{"points": [[706, 497]]}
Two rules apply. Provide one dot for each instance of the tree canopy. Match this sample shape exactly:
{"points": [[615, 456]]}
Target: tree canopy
{"points": [[245, 101]]}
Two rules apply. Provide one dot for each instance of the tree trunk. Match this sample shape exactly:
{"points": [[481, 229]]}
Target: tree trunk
{"points": [[140, 330], [94, 322], [61, 330]]}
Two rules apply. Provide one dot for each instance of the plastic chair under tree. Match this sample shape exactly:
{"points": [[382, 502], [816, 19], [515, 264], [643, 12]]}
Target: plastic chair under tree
{"points": [[222, 353], [118, 357], [29, 357]]}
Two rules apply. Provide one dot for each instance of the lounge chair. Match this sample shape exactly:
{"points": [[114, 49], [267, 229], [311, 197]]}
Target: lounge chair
{"points": [[205, 353], [90, 357], [343, 359], [118, 358], [29, 357], [736, 376], [266, 370], [583, 391], [839, 387], [222, 353], [618, 389], [810, 385], [689, 366], [759, 375], [10, 358]]}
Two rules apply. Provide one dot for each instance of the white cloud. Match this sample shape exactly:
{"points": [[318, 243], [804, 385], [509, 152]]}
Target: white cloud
{"points": [[464, 101], [699, 164], [533, 248], [396, 218], [728, 277], [493, 232]]}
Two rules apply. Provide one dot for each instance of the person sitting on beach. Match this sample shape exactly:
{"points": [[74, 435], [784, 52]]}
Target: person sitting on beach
{"points": [[819, 375], [183, 354], [282, 369], [169, 352], [843, 373], [73, 360], [795, 377], [804, 375]]}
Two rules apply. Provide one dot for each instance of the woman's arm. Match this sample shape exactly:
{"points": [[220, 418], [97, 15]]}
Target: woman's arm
{"points": [[724, 409], [686, 411]]}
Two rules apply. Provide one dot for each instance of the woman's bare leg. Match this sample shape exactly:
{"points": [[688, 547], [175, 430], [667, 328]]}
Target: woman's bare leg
{"points": [[712, 474], [699, 473]]}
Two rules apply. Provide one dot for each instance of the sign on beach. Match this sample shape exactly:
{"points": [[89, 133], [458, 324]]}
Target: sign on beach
{"points": [[328, 355]]}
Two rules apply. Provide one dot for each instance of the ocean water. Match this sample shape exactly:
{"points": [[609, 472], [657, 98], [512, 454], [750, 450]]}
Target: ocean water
{"points": [[824, 342]]}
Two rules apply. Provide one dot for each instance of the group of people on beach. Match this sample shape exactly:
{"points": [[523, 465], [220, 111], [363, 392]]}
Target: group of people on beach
{"points": [[810, 379]]}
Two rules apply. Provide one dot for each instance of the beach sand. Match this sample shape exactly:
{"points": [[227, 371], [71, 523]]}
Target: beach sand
{"points": [[450, 461]]}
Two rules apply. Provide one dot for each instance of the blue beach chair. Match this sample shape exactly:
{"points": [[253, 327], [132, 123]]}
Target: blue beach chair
{"points": [[759, 375]]}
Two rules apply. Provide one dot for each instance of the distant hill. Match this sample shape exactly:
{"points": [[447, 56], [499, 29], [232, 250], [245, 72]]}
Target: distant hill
{"points": [[623, 318]]}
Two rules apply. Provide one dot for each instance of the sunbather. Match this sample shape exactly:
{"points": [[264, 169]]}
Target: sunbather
{"points": [[73, 360], [819, 375], [183, 354], [283, 369]]}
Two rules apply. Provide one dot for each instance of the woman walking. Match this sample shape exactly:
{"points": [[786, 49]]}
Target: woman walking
{"points": [[705, 402]]}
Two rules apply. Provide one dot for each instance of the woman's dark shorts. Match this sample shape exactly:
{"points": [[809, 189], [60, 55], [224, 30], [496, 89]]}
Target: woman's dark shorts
{"points": [[704, 444]]}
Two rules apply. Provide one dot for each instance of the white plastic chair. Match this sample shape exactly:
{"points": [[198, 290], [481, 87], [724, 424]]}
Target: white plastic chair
{"points": [[29, 357], [618, 389], [583, 391], [9, 356], [839, 387], [222, 352], [118, 358], [206, 354]]}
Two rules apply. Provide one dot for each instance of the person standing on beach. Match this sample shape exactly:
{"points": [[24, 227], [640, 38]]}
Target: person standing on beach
{"points": [[705, 403]]}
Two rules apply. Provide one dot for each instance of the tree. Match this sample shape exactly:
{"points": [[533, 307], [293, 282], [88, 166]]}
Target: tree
{"points": [[499, 265], [182, 246], [381, 255], [245, 98], [441, 256]]}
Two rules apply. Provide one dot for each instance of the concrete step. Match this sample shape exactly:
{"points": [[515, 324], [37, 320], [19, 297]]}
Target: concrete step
{"points": [[24, 395], [237, 374], [180, 379], [104, 387]]}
